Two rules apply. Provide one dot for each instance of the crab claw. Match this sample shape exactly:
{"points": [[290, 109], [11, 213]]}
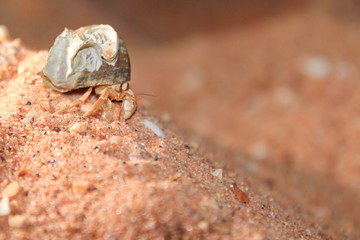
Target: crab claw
{"points": [[129, 103]]}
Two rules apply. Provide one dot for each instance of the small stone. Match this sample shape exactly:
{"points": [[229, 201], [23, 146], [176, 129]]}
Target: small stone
{"points": [[11, 189], [218, 173], [79, 128], [165, 117], [5, 207], [221, 228], [16, 221], [259, 150], [240, 195], [284, 96], [316, 67], [4, 33], [80, 187], [153, 127], [203, 226]]}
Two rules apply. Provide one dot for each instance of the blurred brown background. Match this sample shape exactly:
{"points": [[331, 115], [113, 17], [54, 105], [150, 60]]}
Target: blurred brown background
{"points": [[276, 81], [148, 22]]}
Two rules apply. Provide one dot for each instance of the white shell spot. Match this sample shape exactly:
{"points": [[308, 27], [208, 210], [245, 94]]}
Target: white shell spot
{"points": [[153, 127]]}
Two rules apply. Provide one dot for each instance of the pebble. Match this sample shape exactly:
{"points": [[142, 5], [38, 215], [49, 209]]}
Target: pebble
{"points": [[4, 33], [80, 187], [284, 96], [240, 195], [16, 221], [316, 67], [259, 150], [5, 207], [153, 127], [11, 189], [78, 128], [218, 173]]}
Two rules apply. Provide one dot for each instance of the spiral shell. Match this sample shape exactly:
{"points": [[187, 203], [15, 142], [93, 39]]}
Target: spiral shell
{"points": [[87, 57]]}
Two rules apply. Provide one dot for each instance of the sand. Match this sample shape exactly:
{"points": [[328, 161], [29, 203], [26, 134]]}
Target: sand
{"points": [[115, 180], [276, 112]]}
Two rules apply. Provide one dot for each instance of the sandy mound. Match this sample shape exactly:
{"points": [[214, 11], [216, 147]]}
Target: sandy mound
{"points": [[119, 180]]}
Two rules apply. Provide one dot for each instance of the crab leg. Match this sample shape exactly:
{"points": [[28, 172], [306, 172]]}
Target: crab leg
{"points": [[102, 99], [82, 99], [129, 101], [108, 113]]}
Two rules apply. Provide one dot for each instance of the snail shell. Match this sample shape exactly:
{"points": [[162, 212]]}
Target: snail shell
{"points": [[87, 57]]}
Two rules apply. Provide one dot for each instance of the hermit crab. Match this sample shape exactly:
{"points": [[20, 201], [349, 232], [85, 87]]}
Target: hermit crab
{"points": [[91, 57]]}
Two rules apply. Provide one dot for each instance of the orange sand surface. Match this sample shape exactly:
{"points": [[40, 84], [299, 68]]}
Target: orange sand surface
{"points": [[261, 123]]}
